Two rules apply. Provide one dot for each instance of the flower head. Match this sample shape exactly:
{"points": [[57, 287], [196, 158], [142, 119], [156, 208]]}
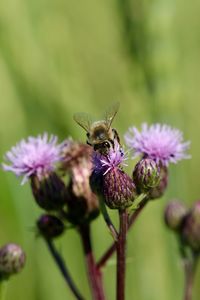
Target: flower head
{"points": [[118, 189], [82, 203], [158, 142], [105, 163], [34, 156], [109, 180], [74, 153]]}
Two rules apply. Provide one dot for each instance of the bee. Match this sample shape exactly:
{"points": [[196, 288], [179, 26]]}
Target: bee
{"points": [[100, 135]]}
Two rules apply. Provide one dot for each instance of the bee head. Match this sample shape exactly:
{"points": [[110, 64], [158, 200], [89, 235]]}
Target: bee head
{"points": [[103, 148], [106, 145]]}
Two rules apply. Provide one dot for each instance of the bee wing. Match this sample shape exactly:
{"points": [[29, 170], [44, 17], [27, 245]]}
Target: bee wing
{"points": [[111, 113], [84, 120]]}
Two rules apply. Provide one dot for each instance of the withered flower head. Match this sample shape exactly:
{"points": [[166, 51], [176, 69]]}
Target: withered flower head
{"points": [[77, 162]]}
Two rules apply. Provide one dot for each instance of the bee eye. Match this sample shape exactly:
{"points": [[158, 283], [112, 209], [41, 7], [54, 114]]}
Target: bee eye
{"points": [[87, 134], [106, 144]]}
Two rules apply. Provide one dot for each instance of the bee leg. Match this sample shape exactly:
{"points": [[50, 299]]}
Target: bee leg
{"points": [[116, 135]]}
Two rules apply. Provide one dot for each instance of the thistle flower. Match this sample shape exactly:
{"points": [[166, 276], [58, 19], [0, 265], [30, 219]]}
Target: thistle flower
{"points": [[35, 159], [12, 260], [159, 142], [102, 164], [146, 175], [109, 180], [35, 156]]}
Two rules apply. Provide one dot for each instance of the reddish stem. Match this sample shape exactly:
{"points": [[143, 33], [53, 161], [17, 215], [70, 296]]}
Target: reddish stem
{"points": [[94, 275], [112, 248], [189, 267], [121, 254]]}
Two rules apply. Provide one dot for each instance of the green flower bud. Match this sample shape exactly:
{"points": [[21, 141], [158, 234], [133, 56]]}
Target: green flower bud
{"points": [[174, 214], [146, 175], [160, 189], [191, 227], [12, 260]]}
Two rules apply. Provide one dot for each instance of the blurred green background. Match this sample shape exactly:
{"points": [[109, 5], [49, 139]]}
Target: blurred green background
{"points": [[58, 57]]}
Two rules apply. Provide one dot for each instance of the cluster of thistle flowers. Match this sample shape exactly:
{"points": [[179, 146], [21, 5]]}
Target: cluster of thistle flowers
{"points": [[61, 175], [157, 145], [59, 178], [45, 163]]}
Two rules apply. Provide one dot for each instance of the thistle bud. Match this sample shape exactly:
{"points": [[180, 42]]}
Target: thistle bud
{"points": [[160, 189], [50, 226], [49, 191], [118, 189], [191, 227], [12, 260], [146, 175], [174, 214]]}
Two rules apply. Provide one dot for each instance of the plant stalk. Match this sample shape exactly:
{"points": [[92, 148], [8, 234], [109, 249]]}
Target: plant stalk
{"points": [[3, 289], [108, 220], [121, 254], [189, 268], [105, 257], [94, 275], [63, 269]]}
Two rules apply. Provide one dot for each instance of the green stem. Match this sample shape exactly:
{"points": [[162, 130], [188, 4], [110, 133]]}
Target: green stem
{"points": [[105, 257], [63, 269], [138, 202], [189, 268], [107, 219], [3, 289], [190, 259]]}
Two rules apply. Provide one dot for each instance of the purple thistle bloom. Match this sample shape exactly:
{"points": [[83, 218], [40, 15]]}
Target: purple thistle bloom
{"points": [[108, 178], [34, 156], [158, 142], [114, 159]]}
